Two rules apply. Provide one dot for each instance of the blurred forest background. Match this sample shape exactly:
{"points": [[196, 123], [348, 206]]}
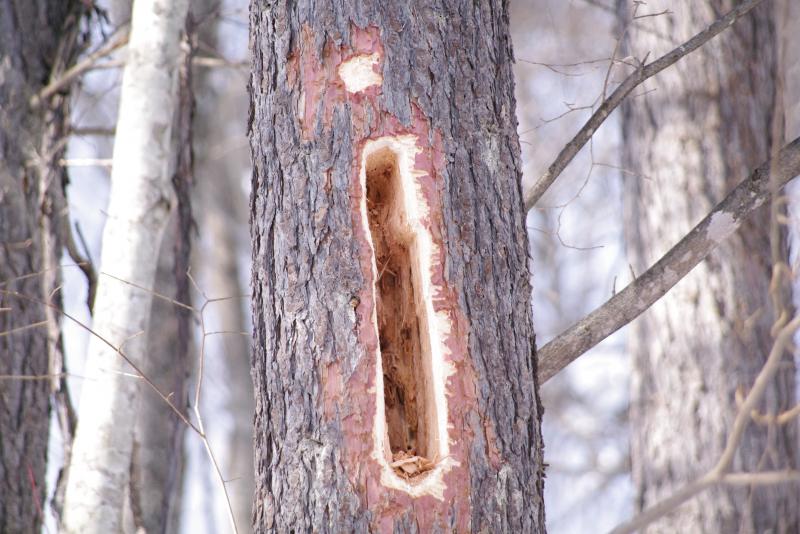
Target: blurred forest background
{"points": [[577, 233]]}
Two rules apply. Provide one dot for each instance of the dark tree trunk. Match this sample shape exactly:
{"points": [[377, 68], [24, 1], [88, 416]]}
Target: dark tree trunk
{"points": [[37, 39], [708, 123], [393, 356], [157, 464]]}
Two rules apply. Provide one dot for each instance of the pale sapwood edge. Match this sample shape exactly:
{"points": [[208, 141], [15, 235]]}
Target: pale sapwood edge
{"points": [[630, 83], [719, 474], [640, 294]]}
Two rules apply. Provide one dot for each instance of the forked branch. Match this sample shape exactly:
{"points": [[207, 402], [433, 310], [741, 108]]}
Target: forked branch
{"points": [[721, 222], [630, 83]]}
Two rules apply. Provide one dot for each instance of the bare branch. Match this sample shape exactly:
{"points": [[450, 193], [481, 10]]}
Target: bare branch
{"points": [[79, 68], [640, 294], [761, 479], [93, 131], [86, 162], [719, 473], [84, 263], [641, 74], [780, 419], [215, 62]]}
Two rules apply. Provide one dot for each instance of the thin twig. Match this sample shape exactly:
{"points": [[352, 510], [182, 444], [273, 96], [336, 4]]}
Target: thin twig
{"points": [[719, 473], [86, 162], [641, 74], [118, 350], [35, 377], [215, 62], [23, 328], [88, 131]]}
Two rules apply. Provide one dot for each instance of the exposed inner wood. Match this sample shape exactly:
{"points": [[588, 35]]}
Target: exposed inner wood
{"points": [[408, 390], [358, 73]]}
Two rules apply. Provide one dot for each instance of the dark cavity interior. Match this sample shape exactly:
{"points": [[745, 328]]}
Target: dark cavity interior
{"points": [[408, 392]]}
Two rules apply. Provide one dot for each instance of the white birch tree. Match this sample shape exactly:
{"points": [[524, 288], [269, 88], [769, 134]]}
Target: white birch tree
{"points": [[139, 206]]}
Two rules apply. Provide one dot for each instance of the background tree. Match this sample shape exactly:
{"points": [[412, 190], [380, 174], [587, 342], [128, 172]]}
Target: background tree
{"points": [[223, 165], [701, 130], [349, 103], [157, 459], [575, 234], [139, 207], [38, 40]]}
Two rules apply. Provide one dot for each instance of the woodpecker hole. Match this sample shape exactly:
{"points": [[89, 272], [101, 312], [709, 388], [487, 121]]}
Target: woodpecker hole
{"points": [[408, 392]]}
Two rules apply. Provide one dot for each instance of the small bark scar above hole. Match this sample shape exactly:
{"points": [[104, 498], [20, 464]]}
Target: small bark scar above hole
{"points": [[359, 72], [411, 439]]}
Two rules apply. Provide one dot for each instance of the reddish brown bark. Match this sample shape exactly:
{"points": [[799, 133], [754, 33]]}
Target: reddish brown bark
{"points": [[443, 108]]}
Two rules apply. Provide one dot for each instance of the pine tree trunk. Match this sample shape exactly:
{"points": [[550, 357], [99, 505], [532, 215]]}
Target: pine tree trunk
{"points": [[37, 38], [708, 123], [393, 354]]}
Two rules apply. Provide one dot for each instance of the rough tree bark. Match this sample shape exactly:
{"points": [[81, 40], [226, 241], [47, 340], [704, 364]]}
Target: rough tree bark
{"points": [[139, 206], [393, 353], [37, 39], [711, 117]]}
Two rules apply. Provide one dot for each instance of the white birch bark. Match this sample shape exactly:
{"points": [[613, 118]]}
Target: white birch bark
{"points": [[139, 205]]}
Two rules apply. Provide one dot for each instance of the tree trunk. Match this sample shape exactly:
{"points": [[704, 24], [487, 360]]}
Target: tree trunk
{"points": [[393, 354], [157, 456], [139, 206], [789, 32], [37, 40], [689, 142], [158, 453]]}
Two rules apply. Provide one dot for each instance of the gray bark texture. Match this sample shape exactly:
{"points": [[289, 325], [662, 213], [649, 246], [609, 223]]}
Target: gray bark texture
{"points": [[37, 40], [706, 125], [157, 465], [447, 81]]}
